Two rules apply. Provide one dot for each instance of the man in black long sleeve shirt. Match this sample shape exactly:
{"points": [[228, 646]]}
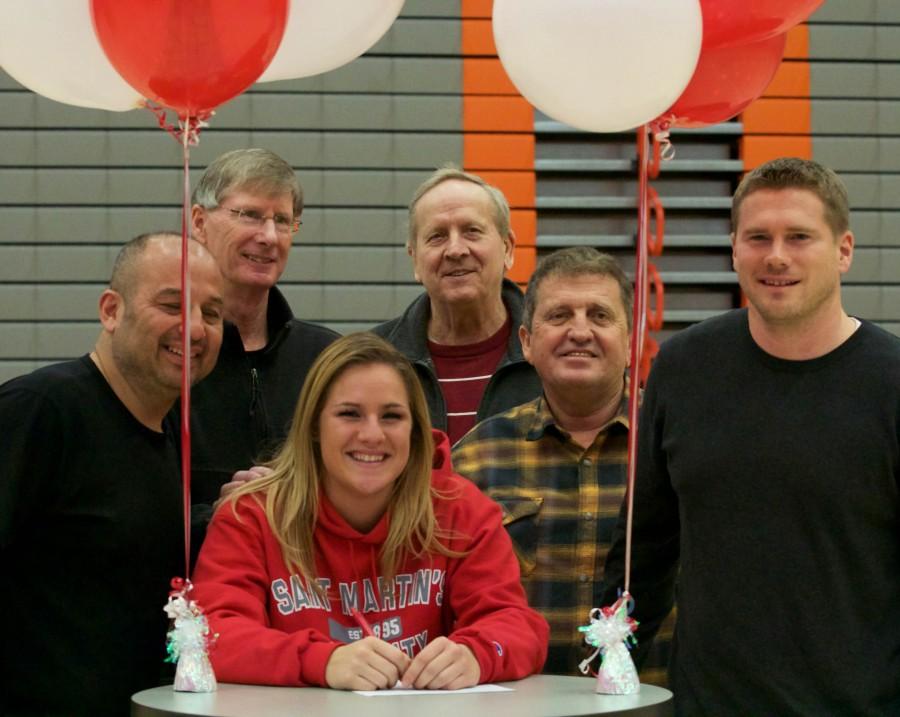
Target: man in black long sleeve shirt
{"points": [[90, 493], [769, 471], [246, 210]]}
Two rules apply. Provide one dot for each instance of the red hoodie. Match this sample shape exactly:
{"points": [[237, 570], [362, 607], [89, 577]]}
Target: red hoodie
{"points": [[273, 630]]}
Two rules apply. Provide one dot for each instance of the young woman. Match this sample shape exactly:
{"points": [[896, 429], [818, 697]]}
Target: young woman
{"points": [[362, 560]]}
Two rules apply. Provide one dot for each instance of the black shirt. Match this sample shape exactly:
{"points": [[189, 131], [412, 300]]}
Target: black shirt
{"points": [[90, 535]]}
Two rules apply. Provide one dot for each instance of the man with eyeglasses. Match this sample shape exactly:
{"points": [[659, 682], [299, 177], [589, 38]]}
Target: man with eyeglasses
{"points": [[246, 210]]}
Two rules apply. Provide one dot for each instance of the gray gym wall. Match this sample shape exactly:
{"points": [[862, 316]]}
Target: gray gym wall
{"points": [[76, 183]]}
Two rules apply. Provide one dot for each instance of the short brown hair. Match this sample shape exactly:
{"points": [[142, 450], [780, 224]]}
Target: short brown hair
{"points": [[445, 174], [576, 261], [796, 173]]}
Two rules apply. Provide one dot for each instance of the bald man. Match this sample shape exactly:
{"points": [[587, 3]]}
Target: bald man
{"points": [[90, 506]]}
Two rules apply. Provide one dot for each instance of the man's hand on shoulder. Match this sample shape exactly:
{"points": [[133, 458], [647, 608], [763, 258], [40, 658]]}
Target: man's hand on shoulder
{"points": [[241, 477]]}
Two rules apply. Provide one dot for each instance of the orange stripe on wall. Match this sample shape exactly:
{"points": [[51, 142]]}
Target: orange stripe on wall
{"points": [[524, 261], [519, 188], [797, 46], [780, 123], [497, 114], [498, 130], [791, 80], [498, 151], [476, 8], [486, 76], [524, 223], [758, 150], [777, 116], [478, 38]]}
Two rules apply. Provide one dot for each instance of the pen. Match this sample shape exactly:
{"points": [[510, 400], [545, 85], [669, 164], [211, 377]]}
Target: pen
{"points": [[362, 622], [367, 629]]}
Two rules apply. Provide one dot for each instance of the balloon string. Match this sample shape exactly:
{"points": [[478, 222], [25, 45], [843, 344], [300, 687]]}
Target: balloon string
{"points": [[639, 330], [661, 129], [189, 127], [187, 133], [186, 346]]}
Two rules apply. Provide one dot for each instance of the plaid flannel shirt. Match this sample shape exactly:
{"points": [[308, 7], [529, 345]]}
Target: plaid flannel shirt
{"points": [[560, 505]]}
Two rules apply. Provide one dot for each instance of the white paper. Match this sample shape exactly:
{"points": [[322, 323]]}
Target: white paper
{"points": [[403, 691]]}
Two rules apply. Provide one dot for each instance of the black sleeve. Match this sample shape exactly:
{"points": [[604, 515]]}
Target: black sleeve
{"points": [[655, 531], [30, 452]]}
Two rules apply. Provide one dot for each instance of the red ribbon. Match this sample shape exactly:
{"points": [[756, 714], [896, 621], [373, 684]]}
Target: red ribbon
{"points": [[186, 133], [639, 330]]}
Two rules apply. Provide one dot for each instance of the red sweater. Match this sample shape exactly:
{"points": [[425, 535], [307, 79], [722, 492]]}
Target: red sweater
{"points": [[273, 630]]}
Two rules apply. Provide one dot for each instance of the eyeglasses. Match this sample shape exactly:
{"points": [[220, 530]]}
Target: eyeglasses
{"points": [[257, 220]]}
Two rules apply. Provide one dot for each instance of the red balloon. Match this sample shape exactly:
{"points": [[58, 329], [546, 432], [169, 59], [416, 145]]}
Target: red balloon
{"points": [[726, 80], [730, 22], [190, 55]]}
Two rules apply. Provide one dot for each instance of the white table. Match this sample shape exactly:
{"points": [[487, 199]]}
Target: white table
{"points": [[538, 696]]}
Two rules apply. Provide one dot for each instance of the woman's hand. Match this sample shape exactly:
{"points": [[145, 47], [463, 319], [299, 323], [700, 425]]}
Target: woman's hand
{"points": [[442, 665], [367, 664]]}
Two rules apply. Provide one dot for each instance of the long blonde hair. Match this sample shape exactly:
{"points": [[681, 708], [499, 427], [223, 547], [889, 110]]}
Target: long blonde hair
{"points": [[290, 494]]}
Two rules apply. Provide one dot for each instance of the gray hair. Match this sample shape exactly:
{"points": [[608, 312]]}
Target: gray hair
{"points": [[451, 171], [256, 170], [576, 261]]}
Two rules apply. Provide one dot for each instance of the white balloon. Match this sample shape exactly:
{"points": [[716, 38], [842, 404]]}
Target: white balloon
{"points": [[50, 47], [324, 34], [599, 65]]}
